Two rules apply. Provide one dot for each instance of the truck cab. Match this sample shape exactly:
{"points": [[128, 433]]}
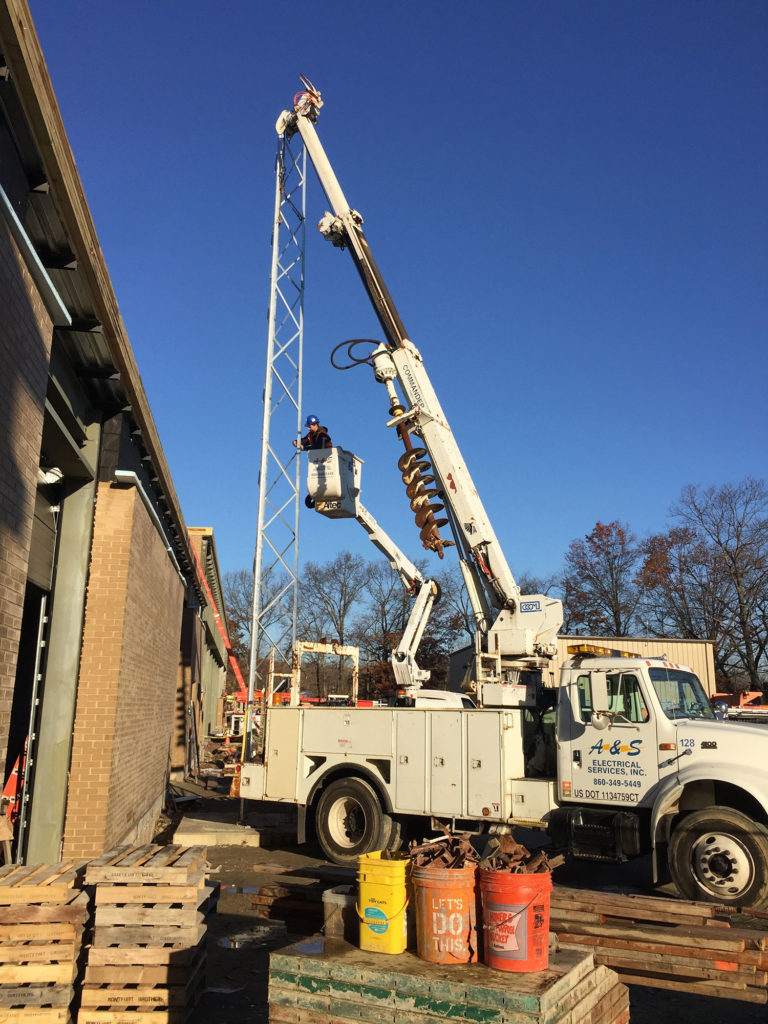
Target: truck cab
{"points": [[644, 765]]}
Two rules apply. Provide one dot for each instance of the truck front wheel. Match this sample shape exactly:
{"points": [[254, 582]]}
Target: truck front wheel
{"points": [[349, 821], [721, 856]]}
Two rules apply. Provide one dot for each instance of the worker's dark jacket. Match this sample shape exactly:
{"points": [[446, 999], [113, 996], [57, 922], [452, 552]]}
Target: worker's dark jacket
{"points": [[320, 439]]}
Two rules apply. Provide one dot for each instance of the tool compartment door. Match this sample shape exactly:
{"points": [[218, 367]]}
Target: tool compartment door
{"points": [[446, 762], [281, 754], [410, 761], [485, 785]]}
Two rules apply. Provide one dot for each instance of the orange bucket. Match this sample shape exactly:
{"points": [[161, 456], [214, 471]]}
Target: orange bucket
{"points": [[446, 914], [515, 911]]}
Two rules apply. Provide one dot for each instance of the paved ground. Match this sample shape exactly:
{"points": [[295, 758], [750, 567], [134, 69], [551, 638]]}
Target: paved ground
{"points": [[239, 942]]}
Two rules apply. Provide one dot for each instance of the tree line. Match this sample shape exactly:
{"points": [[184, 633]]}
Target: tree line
{"points": [[360, 602], [704, 577]]}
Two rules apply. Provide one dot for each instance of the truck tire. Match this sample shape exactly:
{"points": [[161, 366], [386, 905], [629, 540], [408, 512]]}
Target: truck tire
{"points": [[349, 821], [720, 856], [396, 837]]}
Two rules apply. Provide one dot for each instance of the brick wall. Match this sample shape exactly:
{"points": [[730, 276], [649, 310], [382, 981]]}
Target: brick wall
{"points": [[25, 340], [127, 685]]}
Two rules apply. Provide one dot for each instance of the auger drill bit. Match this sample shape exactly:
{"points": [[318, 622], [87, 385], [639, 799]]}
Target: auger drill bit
{"points": [[416, 476]]}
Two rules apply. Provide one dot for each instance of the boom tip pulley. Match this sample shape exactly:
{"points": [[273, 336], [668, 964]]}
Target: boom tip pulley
{"points": [[305, 104]]}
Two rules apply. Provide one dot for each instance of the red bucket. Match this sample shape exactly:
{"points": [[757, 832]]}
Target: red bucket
{"points": [[515, 920], [446, 914]]}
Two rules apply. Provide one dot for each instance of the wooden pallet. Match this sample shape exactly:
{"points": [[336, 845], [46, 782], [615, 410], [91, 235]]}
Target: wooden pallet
{"points": [[169, 865], [119, 993], [332, 982], [31, 996], [671, 944], [38, 883], [148, 957], [159, 1016], [48, 917], [38, 974], [37, 1015], [148, 935], [19, 951], [182, 956], [145, 974], [40, 933], [155, 905]]}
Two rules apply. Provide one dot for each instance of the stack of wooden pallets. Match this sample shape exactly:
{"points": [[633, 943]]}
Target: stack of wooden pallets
{"points": [[147, 962], [325, 981], [667, 943], [42, 920]]}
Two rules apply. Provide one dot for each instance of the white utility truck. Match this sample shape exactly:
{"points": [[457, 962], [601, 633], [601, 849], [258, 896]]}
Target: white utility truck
{"points": [[624, 757]]}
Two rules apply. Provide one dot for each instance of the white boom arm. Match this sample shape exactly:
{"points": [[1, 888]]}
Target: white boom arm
{"points": [[408, 675], [516, 628], [333, 485]]}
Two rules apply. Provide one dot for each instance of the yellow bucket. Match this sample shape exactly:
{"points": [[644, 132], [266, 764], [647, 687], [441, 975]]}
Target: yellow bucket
{"points": [[384, 886]]}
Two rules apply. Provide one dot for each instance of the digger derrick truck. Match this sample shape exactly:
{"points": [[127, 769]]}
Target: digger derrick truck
{"points": [[623, 757]]}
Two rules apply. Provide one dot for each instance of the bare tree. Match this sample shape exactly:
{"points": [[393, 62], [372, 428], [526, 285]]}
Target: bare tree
{"points": [[457, 607], [276, 613], [530, 584], [732, 520], [381, 624], [600, 591], [686, 593], [237, 589], [328, 597]]}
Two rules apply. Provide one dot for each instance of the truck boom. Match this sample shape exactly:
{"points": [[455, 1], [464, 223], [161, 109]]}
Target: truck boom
{"points": [[515, 631]]}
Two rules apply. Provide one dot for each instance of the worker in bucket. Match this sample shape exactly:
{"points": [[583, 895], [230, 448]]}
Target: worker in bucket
{"points": [[316, 436]]}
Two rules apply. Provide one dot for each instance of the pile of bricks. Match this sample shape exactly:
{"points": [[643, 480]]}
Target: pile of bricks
{"points": [[668, 943], [325, 981], [42, 920], [148, 956], [299, 906]]}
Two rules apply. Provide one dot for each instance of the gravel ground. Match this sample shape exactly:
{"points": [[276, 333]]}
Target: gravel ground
{"points": [[239, 942]]}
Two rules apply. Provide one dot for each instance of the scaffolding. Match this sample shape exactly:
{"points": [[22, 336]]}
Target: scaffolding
{"points": [[276, 562]]}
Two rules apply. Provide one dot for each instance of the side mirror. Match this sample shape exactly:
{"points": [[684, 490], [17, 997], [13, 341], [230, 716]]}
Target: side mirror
{"points": [[599, 720]]}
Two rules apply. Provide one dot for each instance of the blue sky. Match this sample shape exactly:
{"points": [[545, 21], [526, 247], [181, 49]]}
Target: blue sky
{"points": [[567, 200]]}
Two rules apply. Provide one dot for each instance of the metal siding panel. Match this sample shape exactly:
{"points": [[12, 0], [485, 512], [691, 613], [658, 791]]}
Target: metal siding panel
{"points": [[696, 654], [43, 544]]}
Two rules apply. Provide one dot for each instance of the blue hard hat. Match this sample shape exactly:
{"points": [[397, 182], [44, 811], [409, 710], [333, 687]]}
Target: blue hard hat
{"points": [[312, 420]]}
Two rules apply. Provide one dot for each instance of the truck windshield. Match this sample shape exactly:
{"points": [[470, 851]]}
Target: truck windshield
{"points": [[680, 694]]}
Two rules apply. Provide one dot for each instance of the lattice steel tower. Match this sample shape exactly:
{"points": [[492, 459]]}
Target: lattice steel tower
{"points": [[276, 564]]}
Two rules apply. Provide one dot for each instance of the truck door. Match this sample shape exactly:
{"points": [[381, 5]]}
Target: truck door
{"points": [[617, 765]]}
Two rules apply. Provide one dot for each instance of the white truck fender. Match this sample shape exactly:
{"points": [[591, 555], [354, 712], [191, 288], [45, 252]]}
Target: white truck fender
{"points": [[668, 797], [731, 774]]}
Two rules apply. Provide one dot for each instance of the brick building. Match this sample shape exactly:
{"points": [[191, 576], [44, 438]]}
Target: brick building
{"points": [[109, 656]]}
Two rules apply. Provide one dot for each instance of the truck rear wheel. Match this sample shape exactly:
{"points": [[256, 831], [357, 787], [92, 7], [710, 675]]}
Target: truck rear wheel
{"points": [[349, 821], [721, 856]]}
